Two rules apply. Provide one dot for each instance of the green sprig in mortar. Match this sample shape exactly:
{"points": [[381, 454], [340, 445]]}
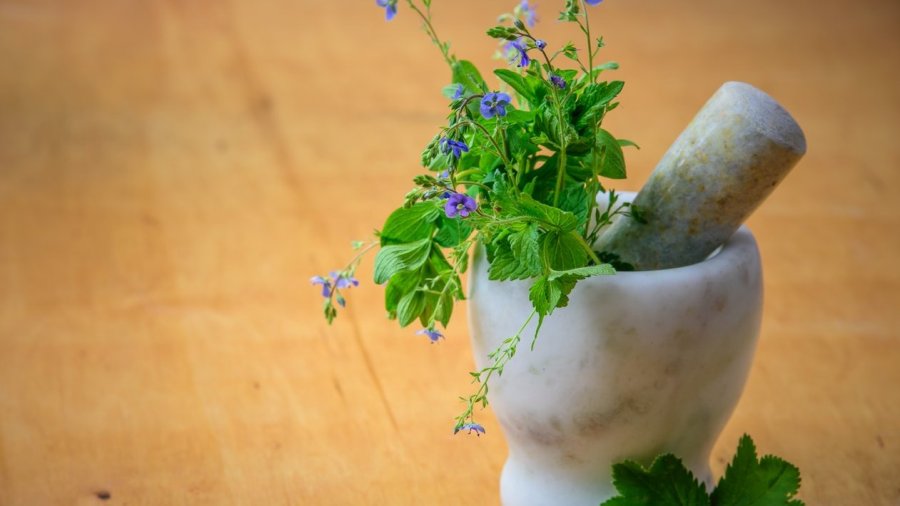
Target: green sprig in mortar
{"points": [[519, 177]]}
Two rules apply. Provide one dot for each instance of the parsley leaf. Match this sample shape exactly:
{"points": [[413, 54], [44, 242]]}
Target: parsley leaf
{"points": [[667, 482], [769, 481]]}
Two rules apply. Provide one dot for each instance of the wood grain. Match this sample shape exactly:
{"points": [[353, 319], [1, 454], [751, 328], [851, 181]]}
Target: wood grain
{"points": [[173, 172]]}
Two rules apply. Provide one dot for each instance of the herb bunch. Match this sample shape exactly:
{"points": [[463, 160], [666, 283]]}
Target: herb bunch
{"points": [[516, 169]]}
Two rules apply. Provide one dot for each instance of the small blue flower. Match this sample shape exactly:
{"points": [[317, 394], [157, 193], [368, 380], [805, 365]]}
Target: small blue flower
{"points": [[459, 204], [471, 427], [433, 335], [390, 8], [326, 285], [529, 12], [460, 89], [558, 81], [540, 44], [518, 49], [494, 104], [343, 280], [451, 146], [593, 2]]}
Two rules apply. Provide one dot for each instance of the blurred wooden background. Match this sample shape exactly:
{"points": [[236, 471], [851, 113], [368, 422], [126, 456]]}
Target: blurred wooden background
{"points": [[173, 172]]}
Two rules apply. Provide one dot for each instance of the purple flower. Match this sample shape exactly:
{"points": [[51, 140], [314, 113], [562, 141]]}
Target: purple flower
{"points": [[471, 427], [494, 104], [558, 81], [390, 8], [432, 334], [593, 2], [451, 146], [529, 13], [460, 89], [518, 49], [540, 44], [459, 204], [343, 280], [326, 285]]}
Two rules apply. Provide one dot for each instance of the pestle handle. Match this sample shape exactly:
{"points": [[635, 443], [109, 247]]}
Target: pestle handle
{"points": [[732, 155]]}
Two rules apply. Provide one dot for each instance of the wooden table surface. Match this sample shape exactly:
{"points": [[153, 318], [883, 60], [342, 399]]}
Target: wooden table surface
{"points": [[173, 172]]}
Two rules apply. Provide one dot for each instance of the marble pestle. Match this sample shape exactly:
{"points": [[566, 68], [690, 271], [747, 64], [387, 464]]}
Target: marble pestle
{"points": [[729, 159]]}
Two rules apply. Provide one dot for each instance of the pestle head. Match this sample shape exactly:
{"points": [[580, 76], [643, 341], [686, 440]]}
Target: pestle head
{"points": [[732, 155]]}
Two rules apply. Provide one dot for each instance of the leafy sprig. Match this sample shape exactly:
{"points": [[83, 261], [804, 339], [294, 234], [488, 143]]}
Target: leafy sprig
{"points": [[516, 170], [748, 481]]}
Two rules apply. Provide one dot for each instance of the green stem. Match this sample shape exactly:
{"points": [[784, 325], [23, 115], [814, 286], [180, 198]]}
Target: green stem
{"points": [[590, 44], [501, 355], [588, 249], [429, 29]]}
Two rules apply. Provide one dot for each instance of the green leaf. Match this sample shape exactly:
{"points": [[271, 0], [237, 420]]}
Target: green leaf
{"points": [[626, 142], [666, 483], [583, 272], [410, 224], [575, 199], [452, 231], [399, 285], [524, 246], [545, 295], [770, 481], [613, 160], [507, 264], [400, 257], [467, 74], [409, 308], [562, 251], [551, 217], [518, 83]]}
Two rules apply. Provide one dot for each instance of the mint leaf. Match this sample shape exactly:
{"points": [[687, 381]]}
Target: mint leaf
{"points": [[667, 482], [525, 249], [562, 251], [400, 257], [583, 272], [613, 159], [548, 294], [516, 255], [770, 481], [452, 231], [551, 216], [409, 224]]}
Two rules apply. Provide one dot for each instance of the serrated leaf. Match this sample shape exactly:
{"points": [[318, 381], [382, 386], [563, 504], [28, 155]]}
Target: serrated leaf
{"points": [[584, 272], [410, 224], [667, 482], [505, 266], [613, 162], [770, 481], [549, 216], [562, 251], [525, 249], [396, 258], [452, 231]]}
